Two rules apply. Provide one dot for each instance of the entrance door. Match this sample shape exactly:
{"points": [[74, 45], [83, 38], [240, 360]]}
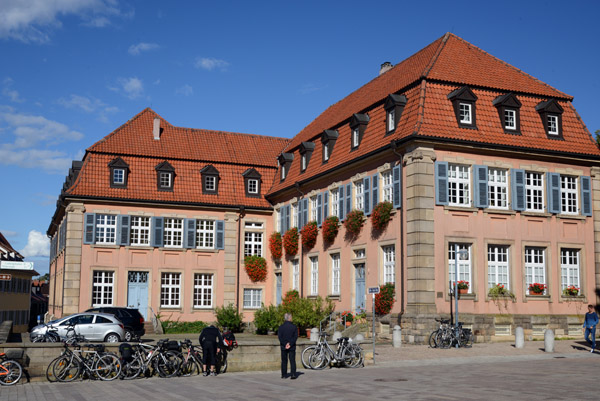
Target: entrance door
{"points": [[137, 292], [278, 289], [359, 294]]}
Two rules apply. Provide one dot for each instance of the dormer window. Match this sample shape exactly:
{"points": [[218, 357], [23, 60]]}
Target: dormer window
{"points": [[252, 182], [285, 161], [210, 180], [328, 139], [306, 149], [394, 105], [358, 125], [463, 100], [165, 174], [551, 115], [508, 109], [118, 173]]}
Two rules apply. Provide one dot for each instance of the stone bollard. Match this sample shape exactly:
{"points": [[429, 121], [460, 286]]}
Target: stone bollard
{"points": [[336, 335], [314, 334], [359, 337], [549, 340], [519, 337], [397, 337]]}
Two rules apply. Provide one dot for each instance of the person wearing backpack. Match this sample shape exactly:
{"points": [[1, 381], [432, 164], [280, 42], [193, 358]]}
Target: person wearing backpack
{"points": [[288, 334], [210, 340]]}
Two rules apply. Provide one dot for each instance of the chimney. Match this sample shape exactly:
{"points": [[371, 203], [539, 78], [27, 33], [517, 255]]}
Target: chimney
{"points": [[156, 129], [385, 67]]}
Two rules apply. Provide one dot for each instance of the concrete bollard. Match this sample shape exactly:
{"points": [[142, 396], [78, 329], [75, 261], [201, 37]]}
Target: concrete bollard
{"points": [[519, 337], [314, 334], [359, 337], [397, 337], [549, 340], [336, 335]]}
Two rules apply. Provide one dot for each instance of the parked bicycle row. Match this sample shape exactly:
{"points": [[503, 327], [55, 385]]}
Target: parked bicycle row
{"points": [[321, 355], [448, 335]]}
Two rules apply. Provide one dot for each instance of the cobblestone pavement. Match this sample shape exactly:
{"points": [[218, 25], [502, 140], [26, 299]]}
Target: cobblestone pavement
{"points": [[487, 371]]}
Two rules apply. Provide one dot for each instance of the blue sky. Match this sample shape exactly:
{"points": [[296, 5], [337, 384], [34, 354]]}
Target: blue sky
{"points": [[71, 71]]}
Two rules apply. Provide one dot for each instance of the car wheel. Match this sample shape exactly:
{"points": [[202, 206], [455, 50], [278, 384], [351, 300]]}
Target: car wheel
{"points": [[128, 335], [112, 338]]}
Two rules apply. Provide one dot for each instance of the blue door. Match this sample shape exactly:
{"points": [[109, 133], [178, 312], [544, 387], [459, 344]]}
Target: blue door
{"points": [[360, 294], [278, 290], [137, 292]]}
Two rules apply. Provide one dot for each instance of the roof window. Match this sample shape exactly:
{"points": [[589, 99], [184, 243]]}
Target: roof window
{"points": [[394, 106], [464, 103], [551, 114], [508, 110], [358, 125]]}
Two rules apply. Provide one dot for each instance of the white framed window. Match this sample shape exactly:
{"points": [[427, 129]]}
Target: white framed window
{"points": [[498, 268], [535, 266], [387, 186], [534, 191], [205, 234], [210, 183], [294, 214], [459, 184], [313, 208], [166, 180], [295, 275], [552, 124], [303, 161], [283, 172], [569, 268], [464, 263], [568, 194], [325, 151], [253, 243], [278, 220], [355, 137], [314, 275], [510, 119], [389, 264], [173, 234], [252, 298], [335, 274], [464, 113], [203, 290], [252, 186], [335, 203], [102, 288], [391, 120], [140, 231], [118, 176], [170, 290], [359, 196], [498, 188], [106, 229], [359, 253]]}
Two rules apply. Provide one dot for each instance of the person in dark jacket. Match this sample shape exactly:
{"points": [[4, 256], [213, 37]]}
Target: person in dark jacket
{"points": [[288, 334], [210, 340], [589, 324]]}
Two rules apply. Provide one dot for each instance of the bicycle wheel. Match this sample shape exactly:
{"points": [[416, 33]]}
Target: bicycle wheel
{"points": [[306, 354], [190, 367], [221, 366], [50, 370], [444, 339], [356, 356], [108, 367], [168, 363], [432, 339], [466, 338], [132, 369], [13, 372], [318, 359], [66, 369]]}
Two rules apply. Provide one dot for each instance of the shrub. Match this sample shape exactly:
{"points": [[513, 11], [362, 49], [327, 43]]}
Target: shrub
{"points": [[290, 242], [289, 297], [256, 267], [384, 301], [354, 222], [275, 245], [268, 318], [177, 327], [307, 313], [330, 229], [382, 213], [228, 316], [309, 234]]}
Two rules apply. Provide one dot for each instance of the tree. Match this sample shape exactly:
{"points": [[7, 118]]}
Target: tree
{"points": [[45, 277]]}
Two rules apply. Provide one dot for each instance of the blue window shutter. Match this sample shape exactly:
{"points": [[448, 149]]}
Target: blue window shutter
{"points": [[281, 214], [553, 192], [586, 195], [123, 229], [220, 234], [367, 195], [341, 214], [287, 218], [517, 188], [157, 226], [441, 183], [190, 233], [349, 192], [305, 212], [89, 235], [375, 190], [397, 186], [319, 209], [480, 194], [325, 205]]}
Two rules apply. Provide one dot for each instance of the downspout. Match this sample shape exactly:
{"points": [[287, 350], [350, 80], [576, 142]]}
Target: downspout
{"points": [[242, 213], [297, 186], [394, 147]]}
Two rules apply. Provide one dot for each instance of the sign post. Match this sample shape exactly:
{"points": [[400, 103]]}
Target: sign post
{"points": [[373, 290], [5, 277]]}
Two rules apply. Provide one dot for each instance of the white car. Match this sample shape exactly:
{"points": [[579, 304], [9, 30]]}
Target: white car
{"points": [[93, 326]]}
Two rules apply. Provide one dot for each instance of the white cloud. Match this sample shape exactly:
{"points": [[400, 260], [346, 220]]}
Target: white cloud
{"points": [[37, 245], [130, 87], [34, 20], [185, 90], [88, 105], [52, 161], [30, 130], [211, 63], [8, 233], [12, 94], [135, 50]]}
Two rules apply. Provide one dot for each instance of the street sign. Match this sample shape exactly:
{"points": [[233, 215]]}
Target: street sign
{"points": [[373, 290], [5, 277], [12, 265]]}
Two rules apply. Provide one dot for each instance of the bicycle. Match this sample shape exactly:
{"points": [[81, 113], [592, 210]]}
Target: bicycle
{"points": [[10, 371], [50, 336], [97, 363], [192, 360], [158, 358], [71, 341], [451, 335], [346, 354], [444, 324]]}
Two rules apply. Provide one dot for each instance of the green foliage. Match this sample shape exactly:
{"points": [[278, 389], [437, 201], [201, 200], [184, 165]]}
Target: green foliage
{"points": [[306, 313], [228, 316], [268, 318], [177, 327], [598, 137]]}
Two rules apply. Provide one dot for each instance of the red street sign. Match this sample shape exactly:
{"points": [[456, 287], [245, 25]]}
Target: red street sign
{"points": [[5, 277]]}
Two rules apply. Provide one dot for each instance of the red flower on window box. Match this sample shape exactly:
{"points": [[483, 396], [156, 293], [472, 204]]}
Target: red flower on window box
{"points": [[256, 267], [330, 229], [384, 301], [309, 235], [290, 242], [382, 213], [275, 245], [354, 222]]}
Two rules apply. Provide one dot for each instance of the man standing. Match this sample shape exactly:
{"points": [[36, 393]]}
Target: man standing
{"points": [[288, 334], [210, 340], [590, 322]]}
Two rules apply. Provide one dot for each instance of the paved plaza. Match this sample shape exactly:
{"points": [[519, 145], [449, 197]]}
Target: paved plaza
{"points": [[487, 371]]}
